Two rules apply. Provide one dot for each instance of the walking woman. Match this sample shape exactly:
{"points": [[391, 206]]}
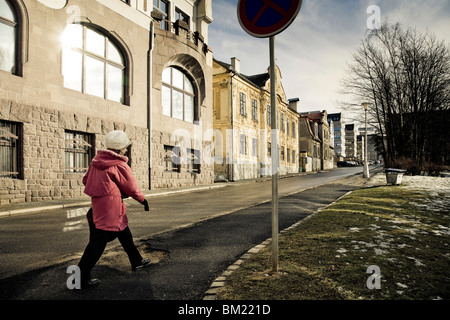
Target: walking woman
{"points": [[108, 180]]}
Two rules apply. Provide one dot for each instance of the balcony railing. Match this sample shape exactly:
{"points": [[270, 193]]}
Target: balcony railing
{"points": [[180, 28]]}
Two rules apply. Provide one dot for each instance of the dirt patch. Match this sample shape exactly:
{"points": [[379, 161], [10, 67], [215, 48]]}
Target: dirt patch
{"points": [[117, 258]]}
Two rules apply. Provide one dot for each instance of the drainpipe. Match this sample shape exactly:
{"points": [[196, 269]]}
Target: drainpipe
{"points": [[149, 101], [231, 172]]}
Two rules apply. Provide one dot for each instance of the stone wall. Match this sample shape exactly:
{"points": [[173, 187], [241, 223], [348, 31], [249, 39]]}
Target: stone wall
{"points": [[43, 141]]}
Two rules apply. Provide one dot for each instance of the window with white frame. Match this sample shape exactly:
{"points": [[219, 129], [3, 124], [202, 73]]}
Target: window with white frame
{"points": [[243, 144], [254, 110], [162, 6], [178, 95], [254, 147], [180, 15], [10, 150], [79, 151], [242, 104], [8, 37], [193, 160], [172, 158], [92, 63]]}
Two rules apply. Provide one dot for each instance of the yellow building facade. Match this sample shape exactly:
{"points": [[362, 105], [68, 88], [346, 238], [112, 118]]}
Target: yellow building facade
{"points": [[242, 124]]}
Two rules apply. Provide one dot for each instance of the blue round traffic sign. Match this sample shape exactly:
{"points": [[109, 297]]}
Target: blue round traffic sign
{"points": [[265, 18]]}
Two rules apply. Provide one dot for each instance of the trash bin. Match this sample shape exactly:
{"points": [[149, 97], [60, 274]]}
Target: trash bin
{"points": [[394, 176]]}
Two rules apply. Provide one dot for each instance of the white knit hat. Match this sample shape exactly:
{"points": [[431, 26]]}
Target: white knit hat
{"points": [[117, 140]]}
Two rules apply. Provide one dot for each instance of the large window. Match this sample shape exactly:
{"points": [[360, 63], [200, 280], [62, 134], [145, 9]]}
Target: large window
{"points": [[10, 150], [8, 37], [178, 98], [92, 63], [79, 151]]}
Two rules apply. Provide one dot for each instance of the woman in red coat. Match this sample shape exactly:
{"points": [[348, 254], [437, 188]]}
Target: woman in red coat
{"points": [[108, 180]]}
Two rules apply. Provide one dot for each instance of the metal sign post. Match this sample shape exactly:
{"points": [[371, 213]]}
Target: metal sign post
{"points": [[274, 154], [264, 19]]}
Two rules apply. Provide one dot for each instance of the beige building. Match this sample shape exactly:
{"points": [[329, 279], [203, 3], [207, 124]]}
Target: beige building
{"points": [[71, 71], [316, 141], [242, 124]]}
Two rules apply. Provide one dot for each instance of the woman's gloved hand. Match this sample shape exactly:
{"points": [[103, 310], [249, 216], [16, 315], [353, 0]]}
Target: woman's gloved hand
{"points": [[145, 204]]}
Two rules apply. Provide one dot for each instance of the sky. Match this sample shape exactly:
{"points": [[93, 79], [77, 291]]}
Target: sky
{"points": [[314, 51]]}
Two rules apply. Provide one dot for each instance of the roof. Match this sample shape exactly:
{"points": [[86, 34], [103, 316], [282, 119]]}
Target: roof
{"points": [[258, 80]]}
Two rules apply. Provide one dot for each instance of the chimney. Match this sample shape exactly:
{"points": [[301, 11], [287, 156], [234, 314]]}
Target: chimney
{"points": [[293, 104], [236, 64]]}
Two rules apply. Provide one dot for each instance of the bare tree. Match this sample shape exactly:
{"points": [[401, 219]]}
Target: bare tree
{"points": [[405, 76]]}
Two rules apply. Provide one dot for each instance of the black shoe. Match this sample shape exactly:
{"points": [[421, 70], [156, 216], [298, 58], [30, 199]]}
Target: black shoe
{"points": [[143, 263], [90, 284]]}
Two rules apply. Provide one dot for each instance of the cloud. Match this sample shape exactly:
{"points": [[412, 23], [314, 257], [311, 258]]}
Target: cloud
{"points": [[314, 51]]}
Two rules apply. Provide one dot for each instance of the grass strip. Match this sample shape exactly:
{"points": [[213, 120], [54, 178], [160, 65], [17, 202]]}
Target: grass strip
{"points": [[327, 257]]}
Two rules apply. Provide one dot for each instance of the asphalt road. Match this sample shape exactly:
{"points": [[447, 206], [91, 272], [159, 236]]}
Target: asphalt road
{"points": [[197, 235]]}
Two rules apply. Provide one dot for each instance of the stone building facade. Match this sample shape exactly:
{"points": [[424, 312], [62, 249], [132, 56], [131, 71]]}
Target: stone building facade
{"points": [[71, 71], [242, 124]]}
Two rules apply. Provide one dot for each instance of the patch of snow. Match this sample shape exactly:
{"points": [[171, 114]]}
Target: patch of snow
{"points": [[401, 285]]}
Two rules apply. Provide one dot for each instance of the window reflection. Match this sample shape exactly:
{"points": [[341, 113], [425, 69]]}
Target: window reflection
{"points": [[92, 64], [95, 80], [95, 43], [177, 95], [8, 26]]}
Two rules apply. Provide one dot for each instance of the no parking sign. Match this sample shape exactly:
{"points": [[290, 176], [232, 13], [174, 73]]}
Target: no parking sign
{"points": [[266, 18]]}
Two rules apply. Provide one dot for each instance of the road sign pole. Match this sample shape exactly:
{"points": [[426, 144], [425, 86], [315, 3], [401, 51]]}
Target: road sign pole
{"points": [[266, 19], [274, 154]]}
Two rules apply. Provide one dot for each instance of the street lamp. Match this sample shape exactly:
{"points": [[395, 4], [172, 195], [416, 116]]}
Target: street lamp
{"points": [[366, 165]]}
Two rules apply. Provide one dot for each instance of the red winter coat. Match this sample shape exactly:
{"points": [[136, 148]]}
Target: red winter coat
{"points": [[108, 179]]}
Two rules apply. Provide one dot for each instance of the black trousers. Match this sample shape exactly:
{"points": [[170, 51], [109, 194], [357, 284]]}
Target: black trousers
{"points": [[97, 244]]}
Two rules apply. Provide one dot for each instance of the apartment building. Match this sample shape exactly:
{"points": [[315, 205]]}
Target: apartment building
{"points": [[242, 124], [339, 134], [351, 146], [71, 71]]}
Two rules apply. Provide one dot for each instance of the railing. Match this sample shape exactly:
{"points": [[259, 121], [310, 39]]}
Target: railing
{"points": [[179, 27]]}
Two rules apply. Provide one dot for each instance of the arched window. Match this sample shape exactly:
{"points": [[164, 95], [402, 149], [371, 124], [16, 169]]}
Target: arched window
{"points": [[178, 95], [8, 37], [92, 63]]}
